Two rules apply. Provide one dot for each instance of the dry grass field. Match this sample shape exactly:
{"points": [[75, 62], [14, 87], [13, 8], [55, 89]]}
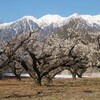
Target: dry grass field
{"points": [[60, 89]]}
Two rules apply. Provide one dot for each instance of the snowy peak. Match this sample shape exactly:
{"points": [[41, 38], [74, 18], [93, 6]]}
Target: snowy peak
{"points": [[92, 19], [49, 19], [76, 15], [28, 18], [88, 18]]}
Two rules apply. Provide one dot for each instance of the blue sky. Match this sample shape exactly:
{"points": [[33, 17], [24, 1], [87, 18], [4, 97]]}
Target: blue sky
{"points": [[11, 10]]}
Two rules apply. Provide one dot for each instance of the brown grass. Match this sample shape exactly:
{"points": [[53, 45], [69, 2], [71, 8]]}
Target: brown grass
{"points": [[61, 89]]}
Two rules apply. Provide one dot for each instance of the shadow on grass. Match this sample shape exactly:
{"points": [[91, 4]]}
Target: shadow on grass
{"points": [[18, 96], [55, 85], [88, 91], [38, 94]]}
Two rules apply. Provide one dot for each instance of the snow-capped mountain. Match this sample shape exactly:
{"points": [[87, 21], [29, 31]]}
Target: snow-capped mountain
{"points": [[51, 24], [25, 24], [86, 22]]}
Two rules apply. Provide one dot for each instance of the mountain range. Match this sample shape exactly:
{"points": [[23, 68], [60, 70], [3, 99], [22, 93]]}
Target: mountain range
{"points": [[52, 24]]}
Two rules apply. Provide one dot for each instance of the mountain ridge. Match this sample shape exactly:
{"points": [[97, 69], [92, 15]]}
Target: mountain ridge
{"points": [[49, 23], [54, 18]]}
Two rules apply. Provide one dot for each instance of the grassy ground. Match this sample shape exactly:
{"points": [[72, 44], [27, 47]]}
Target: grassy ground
{"points": [[61, 89]]}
